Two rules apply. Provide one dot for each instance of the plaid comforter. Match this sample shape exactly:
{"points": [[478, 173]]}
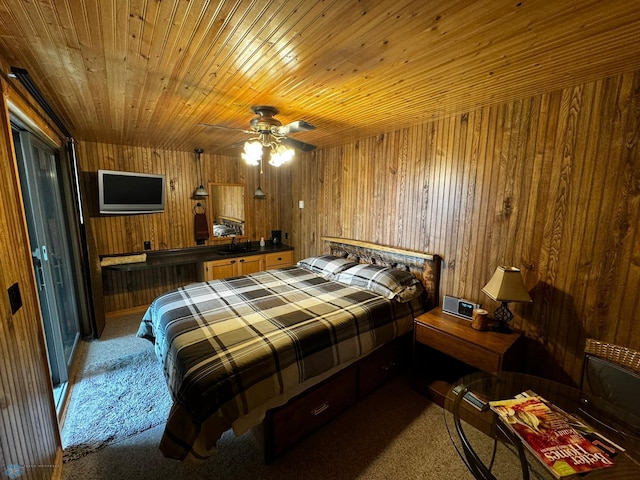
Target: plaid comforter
{"points": [[230, 347]]}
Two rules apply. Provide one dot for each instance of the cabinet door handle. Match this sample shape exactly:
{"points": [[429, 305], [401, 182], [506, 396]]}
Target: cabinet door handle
{"points": [[279, 258], [233, 261], [241, 260], [320, 408]]}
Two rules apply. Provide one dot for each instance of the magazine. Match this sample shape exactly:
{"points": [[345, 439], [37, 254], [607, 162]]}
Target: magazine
{"points": [[609, 447], [552, 435]]}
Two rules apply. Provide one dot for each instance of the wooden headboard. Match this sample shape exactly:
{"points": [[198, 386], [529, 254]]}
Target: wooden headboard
{"points": [[424, 266]]}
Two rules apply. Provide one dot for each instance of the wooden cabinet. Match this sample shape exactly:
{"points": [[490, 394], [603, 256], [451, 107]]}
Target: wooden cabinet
{"points": [[250, 264], [278, 259], [453, 349], [234, 266], [217, 269], [230, 267]]}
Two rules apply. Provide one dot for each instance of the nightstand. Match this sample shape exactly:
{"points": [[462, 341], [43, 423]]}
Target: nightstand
{"points": [[445, 347]]}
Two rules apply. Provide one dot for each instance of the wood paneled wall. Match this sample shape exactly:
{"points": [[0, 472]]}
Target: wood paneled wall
{"points": [[549, 184], [114, 234], [28, 425]]}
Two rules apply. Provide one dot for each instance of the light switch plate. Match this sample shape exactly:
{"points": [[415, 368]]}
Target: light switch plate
{"points": [[15, 299]]}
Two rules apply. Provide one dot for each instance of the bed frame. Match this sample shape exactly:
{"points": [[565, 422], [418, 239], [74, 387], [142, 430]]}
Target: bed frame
{"points": [[285, 425], [425, 266]]}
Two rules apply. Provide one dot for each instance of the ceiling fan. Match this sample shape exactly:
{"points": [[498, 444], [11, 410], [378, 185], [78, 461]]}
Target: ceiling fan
{"points": [[270, 132]]}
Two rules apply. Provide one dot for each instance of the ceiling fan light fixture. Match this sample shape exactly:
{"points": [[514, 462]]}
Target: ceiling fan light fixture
{"points": [[281, 155], [268, 132], [252, 153]]}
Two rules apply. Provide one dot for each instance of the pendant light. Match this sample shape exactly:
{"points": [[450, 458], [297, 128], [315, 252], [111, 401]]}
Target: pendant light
{"points": [[259, 194], [200, 192]]}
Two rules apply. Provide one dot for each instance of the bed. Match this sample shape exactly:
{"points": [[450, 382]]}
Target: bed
{"points": [[245, 351]]}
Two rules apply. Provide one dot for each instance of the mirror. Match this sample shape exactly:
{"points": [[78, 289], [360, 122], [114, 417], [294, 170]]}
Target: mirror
{"points": [[227, 204]]}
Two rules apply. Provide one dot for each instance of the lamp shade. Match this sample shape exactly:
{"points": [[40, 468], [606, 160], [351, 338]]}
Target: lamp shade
{"points": [[506, 285], [200, 192], [281, 155], [252, 153], [259, 193]]}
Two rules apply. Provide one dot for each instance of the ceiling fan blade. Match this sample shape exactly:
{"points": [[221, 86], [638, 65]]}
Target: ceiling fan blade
{"points": [[225, 128], [238, 144], [292, 142], [293, 127]]}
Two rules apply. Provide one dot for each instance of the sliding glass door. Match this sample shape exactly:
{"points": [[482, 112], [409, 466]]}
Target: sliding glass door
{"points": [[51, 251]]}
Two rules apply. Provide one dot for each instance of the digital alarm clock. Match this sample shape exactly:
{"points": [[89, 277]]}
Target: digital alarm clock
{"points": [[459, 307]]}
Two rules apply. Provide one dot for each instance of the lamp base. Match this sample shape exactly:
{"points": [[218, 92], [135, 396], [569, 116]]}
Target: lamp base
{"points": [[503, 316]]}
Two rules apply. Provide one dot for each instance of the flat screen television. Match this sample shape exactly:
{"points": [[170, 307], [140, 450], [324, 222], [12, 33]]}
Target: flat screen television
{"points": [[130, 192]]}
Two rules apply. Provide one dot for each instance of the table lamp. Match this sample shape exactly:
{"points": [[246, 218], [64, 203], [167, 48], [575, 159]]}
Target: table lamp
{"points": [[506, 286]]}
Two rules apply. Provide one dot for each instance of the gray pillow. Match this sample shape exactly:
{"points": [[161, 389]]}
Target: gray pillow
{"points": [[326, 265], [392, 283]]}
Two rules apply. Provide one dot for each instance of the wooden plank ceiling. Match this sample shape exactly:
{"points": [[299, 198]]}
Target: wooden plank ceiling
{"points": [[147, 72]]}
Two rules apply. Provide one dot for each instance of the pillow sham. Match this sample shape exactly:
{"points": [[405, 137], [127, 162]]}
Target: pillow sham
{"points": [[326, 265], [392, 283]]}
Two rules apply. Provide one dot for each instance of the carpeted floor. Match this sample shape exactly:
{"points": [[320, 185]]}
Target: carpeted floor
{"points": [[393, 433], [114, 400]]}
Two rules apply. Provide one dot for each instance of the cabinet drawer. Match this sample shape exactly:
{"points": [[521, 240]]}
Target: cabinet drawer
{"points": [[382, 365], [312, 409], [278, 259], [464, 351]]}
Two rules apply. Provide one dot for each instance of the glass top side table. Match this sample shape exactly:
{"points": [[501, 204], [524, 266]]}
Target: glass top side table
{"points": [[491, 451]]}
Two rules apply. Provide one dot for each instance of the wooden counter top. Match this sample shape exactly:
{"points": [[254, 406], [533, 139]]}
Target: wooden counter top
{"points": [[189, 255]]}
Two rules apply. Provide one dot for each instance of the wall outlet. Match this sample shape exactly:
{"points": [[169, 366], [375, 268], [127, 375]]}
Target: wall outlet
{"points": [[300, 203], [147, 245]]}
